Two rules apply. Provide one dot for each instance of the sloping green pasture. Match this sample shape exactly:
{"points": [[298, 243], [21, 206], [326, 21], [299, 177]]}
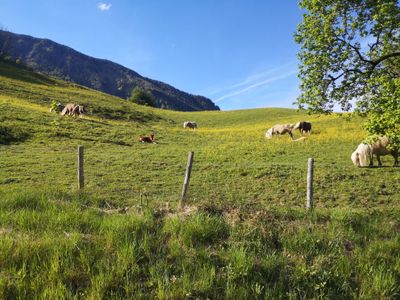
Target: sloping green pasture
{"points": [[244, 232]]}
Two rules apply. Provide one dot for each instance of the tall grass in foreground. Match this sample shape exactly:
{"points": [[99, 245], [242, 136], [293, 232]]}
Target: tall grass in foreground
{"points": [[53, 246]]}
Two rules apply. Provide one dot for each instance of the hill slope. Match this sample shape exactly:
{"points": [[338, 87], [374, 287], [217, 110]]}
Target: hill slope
{"points": [[48, 57], [244, 232]]}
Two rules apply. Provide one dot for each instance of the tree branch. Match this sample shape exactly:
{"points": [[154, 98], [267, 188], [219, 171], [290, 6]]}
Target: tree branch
{"points": [[384, 57], [333, 79], [373, 63], [374, 45], [356, 49]]}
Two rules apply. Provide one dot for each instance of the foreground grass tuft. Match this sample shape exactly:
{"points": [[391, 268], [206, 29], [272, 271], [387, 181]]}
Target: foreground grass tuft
{"points": [[63, 249]]}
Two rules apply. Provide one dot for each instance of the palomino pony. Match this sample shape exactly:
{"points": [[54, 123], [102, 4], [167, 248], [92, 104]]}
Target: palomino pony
{"points": [[147, 139], [280, 129], [365, 152]]}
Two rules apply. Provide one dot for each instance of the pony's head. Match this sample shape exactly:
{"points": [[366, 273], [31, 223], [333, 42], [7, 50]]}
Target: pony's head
{"points": [[81, 109], [268, 135]]}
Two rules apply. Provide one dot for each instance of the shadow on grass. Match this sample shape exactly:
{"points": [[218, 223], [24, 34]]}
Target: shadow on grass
{"points": [[12, 135]]}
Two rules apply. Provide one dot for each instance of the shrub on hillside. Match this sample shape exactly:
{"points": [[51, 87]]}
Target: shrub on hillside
{"points": [[142, 97]]}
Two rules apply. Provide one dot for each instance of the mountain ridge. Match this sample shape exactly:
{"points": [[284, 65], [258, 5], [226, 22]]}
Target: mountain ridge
{"points": [[63, 62]]}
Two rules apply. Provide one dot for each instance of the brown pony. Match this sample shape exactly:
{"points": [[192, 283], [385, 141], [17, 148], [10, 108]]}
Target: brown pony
{"points": [[147, 139]]}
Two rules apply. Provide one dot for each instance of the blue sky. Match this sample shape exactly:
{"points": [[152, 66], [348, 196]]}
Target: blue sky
{"points": [[239, 53]]}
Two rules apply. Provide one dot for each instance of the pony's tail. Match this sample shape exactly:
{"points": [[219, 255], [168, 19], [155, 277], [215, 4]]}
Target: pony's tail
{"points": [[365, 154]]}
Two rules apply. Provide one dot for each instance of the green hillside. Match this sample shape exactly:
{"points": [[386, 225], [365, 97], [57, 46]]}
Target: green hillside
{"points": [[244, 232]]}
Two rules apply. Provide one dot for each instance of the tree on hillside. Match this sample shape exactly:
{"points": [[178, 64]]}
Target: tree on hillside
{"points": [[350, 53], [142, 97]]}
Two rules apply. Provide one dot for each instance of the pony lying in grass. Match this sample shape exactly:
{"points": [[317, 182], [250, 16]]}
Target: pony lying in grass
{"points": [[147, 139], [280, 129], [190, 124], [365, 152]]}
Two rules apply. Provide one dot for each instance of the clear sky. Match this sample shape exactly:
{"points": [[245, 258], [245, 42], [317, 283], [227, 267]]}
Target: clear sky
{"points": [[239, 53]]}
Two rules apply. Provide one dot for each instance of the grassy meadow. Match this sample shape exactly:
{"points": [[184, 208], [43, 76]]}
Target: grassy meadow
{"points": [[244, 232]]}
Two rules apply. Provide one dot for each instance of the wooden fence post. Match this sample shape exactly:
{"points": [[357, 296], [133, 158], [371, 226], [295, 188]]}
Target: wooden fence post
{"points": [[187, 177], [80, 168], [310, 175]]}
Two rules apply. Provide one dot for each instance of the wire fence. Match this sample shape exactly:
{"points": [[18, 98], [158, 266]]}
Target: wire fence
{"points": [[117, 178]]}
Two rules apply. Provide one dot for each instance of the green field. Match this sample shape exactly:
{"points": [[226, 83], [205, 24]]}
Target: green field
{"points": [[244, 232]]}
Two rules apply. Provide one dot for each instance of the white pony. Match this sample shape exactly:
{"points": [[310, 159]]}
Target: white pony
{"points": [[280, 129], [363, 155], [72, 109]]}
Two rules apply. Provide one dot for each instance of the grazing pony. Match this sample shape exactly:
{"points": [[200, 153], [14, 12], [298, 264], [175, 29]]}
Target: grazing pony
{"points": [[147, 139], [280, 129], [79, 110], [190, 124], [72, 109], [68, 109], [365, 152], [303, 127]]}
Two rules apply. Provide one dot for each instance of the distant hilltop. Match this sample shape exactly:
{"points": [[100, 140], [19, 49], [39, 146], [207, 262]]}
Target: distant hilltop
{"points": [[53, 59]]}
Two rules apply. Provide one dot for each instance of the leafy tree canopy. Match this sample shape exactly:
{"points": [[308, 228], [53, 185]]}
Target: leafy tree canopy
{"points": [[142, 97], [350, 54]]}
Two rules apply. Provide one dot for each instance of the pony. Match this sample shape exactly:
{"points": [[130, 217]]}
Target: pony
{"points": [[147, 139], [303, 127], [79, 110], [365, 152], [72, 109], [68, 109], [190, 124], [280, 129]]}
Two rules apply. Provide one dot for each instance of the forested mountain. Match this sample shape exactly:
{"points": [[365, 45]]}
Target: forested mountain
{"points": [[53, 59]]}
